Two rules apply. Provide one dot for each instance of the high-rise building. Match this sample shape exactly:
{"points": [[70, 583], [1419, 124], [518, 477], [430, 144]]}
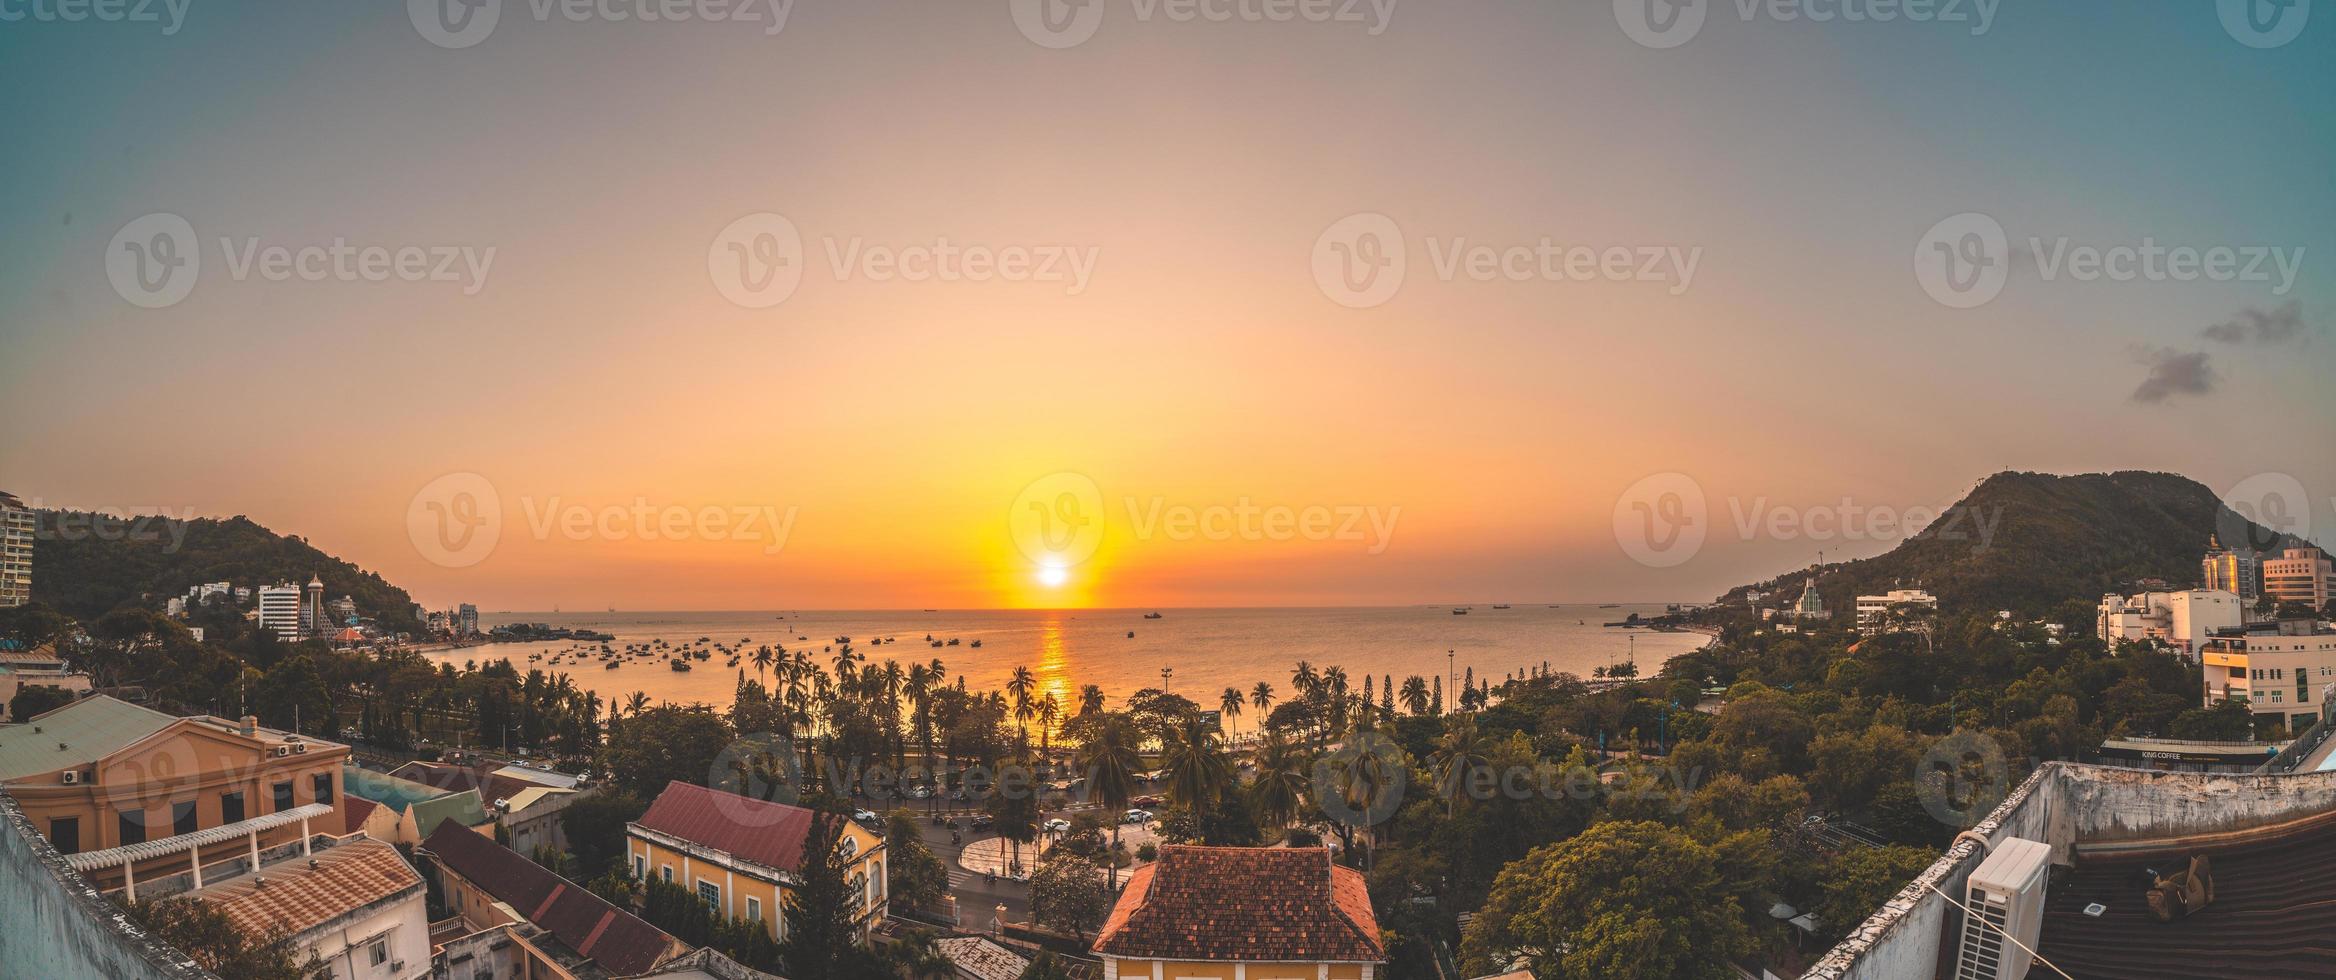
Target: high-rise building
{"points": [[2235, 572], [466, 620], [1873, 611], [312, 621], [2300, 575], [16, 528], [280, 610]]}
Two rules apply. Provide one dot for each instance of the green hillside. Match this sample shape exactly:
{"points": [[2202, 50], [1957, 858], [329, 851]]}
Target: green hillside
{"points": [[86, 565], [2054, 539]]}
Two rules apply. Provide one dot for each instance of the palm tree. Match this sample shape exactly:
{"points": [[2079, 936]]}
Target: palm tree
{"points": [[1415, 695], [1280, 791], [637, 703], [1091, 699], [1261, 697], [1230, 704], [763, 659], [1019, 686], [1198, 770], [1048, 711], [1461, 752], [1110, 758]]}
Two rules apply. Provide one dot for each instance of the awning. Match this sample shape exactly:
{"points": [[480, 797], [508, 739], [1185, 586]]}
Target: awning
{"points": [[114, 857]]}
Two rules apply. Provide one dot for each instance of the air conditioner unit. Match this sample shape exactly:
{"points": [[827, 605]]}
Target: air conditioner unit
{"points": [[300, 748], [2005, 900], [281, 751], [72, 777], [397, 966]]}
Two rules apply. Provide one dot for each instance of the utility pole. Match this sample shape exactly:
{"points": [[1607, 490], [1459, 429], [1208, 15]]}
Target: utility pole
{"points": [[1165, 673]]}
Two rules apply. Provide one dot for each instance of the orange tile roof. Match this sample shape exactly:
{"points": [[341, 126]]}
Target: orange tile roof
{"points": [[1243, 903], [295, 897]]}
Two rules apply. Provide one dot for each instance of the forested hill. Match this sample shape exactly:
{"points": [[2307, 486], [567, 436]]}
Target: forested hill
{"points": [[86, 565], [2048, 540]]}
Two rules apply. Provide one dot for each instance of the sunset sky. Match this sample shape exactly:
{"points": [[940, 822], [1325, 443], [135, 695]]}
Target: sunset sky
{"points": [[1490, 427]]}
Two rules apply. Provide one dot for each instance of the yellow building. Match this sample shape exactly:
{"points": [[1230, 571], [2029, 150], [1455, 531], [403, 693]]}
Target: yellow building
{"points": [[1242, 913], [743, 855]]}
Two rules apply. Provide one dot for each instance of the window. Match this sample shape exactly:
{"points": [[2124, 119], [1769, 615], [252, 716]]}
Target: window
{"points": [[133, 828], [668, 872], [2275, 697], [182, 817], [283, 792], [65, 834], [230, 807], [323, 784], [640, 867], [711, 894], [754, 910], [377, 952]]}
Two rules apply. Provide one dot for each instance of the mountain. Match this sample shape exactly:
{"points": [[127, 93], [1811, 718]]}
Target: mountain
{"points": [[2030, 542], [86, 565]]}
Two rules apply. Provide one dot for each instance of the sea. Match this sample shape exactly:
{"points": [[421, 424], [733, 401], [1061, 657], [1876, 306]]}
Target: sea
{"points": [[1193, 652]]}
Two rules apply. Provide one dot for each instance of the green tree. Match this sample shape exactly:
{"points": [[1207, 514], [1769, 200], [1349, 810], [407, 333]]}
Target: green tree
{"points": [[915, 877], [33, 700], [665, 744], [1068, 894], [1110, 759], [1047, 966], [1279, 792], [820, 932], [1860, 879], [1623, 900], [207, 936]]}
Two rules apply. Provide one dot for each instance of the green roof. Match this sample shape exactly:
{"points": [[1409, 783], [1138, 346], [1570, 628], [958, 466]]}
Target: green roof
{"points": [[462, 808], [387, 790], [88, 730]]}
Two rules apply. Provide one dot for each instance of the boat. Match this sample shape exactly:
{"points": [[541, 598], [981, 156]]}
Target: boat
{"points": [[953, 641], [1131, 634], [1611, 605], [1459, 612], [1500, 607], [1151, 615], [613, 664], [680, 666], [976, 644]]}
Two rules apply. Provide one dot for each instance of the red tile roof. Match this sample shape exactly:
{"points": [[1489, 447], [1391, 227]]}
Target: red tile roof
{"points": [[354, 812], [769, 834], [620, 942], [293, 896], [1243, 903]]}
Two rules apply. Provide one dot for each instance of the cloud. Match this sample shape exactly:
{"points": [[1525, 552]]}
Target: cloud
{"points": [[2174, 373], [2253, 326]]}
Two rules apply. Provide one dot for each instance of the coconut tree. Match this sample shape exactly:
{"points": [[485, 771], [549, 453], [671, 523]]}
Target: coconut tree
{"points": [[1019, 687], [1198, 770], [1048, 710], [1279, 793], [1415, 695], [1110, 757], [1091, 699], [1230, 704], [1459, 754], [1261, 698]]}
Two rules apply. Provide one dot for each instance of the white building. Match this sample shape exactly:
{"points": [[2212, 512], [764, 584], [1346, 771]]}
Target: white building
{"points": [[1874, 610], [16, 533], [280, 610], [2181, 620], [357, 905], [2284, 670]]}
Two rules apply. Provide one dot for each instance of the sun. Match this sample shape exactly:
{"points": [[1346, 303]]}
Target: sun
{"points": [[1053, 576]]}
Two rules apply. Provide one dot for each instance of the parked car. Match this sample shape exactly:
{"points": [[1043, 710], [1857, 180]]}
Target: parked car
{"points": [[1058, 825], [867, 818], [920, 792], [983, 821], [1146, 801], [1136, 817]]}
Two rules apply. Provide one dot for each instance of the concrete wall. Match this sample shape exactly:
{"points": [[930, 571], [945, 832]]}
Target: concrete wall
{"points": [[2064, 805], [76, 932]]}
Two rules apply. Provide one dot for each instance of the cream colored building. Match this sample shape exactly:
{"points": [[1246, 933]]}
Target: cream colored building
{"points": [[2181, 620], [2286, 674]]}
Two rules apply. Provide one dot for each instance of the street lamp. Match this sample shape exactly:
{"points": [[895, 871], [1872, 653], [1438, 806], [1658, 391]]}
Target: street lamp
{"points": [[1165, 673]]}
